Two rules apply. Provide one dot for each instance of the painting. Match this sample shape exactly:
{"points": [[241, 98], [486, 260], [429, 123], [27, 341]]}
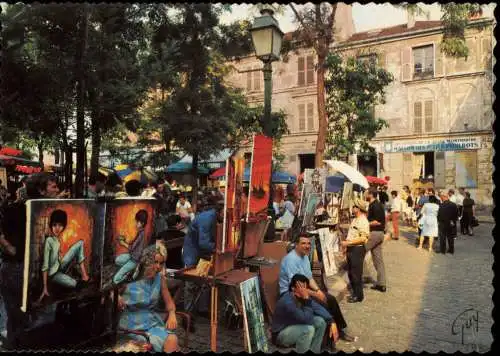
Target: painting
{"points": [[228, 203], [234, 240], [329, 241], [63, 251], [317, 178], [306, 190], [260, 176], [347, 194], [332, 208], [253, 316], [3, 176], [128, 231], [313, 201]]}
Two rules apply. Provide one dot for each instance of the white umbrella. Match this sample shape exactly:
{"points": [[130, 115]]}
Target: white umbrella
{"points": [[351, 173]]}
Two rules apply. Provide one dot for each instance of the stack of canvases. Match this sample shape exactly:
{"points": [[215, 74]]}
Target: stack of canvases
{"points": [[82, 246]]}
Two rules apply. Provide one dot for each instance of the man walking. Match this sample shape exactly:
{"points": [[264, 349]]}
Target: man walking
{"points": [[460, 206], [376, 219], [396, 207], [447, 222]]}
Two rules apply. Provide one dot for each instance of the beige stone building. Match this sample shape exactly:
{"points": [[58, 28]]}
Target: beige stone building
{"points": [[439, 109]]}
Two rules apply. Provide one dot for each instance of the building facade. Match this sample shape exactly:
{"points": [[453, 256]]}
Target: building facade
{"points": [[439, 109]]}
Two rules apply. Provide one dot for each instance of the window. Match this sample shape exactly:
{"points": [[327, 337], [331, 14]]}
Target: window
{"points": [[368, 58], [423, 62], [422, 116], [306, 118], [305, 70], [253, 79], [466, 169]]}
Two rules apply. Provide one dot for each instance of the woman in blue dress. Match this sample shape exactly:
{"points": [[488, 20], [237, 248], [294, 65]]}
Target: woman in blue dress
{"points": [[139, 300]]}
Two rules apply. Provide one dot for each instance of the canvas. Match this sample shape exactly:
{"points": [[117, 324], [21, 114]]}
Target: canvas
{"points": [[306, 190], [347, 195], [260, 176], [317, 178], [228, 203], [329, 241], [313, 200], [234, 241], [253, 316], [128, 231], [63, 251]]}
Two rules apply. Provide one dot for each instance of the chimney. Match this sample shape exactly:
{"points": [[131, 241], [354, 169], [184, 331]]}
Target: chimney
{"points": [[411, 18], [344, 23]]}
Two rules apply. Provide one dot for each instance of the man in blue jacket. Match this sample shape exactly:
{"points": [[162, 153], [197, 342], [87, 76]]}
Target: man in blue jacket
{"points": [[298, 320], [200, 243]]}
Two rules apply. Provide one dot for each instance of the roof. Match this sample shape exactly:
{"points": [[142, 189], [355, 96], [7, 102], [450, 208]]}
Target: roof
{"points": [[393, 30]]}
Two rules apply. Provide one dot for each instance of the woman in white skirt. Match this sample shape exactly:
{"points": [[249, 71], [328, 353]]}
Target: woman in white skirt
{"points": [[428, 222]]}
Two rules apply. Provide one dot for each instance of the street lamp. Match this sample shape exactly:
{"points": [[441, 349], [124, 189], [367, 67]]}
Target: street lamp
{"points": [[267, 39]]}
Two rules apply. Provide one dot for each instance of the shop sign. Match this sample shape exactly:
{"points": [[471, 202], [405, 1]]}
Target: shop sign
{"points": [[451, 144]]}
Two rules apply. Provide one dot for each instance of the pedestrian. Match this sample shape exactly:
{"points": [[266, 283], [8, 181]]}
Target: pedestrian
{"points": [[383, 197], [447, 222], [297, 262], [376, 219], [428, 223], [468, 214], [96, 186], [403, 195], [12, 244], [460, 205], [184, 208], [357, 236], [298, 319], [395, 211]]}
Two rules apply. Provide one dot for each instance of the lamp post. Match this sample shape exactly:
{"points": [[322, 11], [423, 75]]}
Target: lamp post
{"points": [[267, 38]]}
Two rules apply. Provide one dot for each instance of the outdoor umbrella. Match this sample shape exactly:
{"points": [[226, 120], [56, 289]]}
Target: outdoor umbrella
{"points": [[376, 180], [106, 171], [218, 173], [277, 177], [127, 173], [351, 173], [335, 184], [185, 167]]}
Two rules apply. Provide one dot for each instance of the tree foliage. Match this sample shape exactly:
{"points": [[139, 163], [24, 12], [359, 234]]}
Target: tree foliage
{"points": [[353, 88]]}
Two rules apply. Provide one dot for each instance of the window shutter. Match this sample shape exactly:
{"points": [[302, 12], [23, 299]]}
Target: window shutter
{"points": [[310, 117], [310, 69], [256, 80], [249, 81], [439, 170], [302, 117], [406, 64], [417, 117], [439, 61], [429, 59], [407, 168], [301, 73], [428, 116]]}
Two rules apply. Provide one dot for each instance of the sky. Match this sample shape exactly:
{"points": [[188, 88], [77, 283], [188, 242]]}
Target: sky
{"points": [[366, 16]]}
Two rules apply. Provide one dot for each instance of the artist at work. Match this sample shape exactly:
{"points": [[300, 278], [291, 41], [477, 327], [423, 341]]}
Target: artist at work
{"points": [[129, 261], [54, 267]]}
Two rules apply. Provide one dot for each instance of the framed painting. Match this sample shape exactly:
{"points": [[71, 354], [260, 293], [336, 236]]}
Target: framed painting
{"points": [[253, 316]]}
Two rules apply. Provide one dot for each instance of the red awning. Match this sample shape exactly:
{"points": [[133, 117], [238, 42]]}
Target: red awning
{"points": [[9, 151], [376, 180], [221, 172], [27, 169]]}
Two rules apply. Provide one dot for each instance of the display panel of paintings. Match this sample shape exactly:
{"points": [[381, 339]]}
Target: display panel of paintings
{"points": [[347, 195], [317, 178], [253, 316], [63, 249], [260, 176], [128, 231], [306, 190], [313, 201]]}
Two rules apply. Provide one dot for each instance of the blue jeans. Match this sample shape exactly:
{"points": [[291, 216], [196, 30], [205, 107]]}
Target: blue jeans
{"points": [[127, 265], [304, 337], [76, 252]]}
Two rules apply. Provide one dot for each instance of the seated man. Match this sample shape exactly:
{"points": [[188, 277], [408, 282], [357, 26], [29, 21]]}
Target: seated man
{"points": [[139, 300], [297, 262], [299, 320]]}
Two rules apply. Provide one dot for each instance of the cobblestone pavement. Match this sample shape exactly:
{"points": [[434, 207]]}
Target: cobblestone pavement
{"points": [[426, 293]]}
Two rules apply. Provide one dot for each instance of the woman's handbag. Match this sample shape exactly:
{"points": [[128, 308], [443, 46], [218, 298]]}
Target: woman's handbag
{"points": [[474, 222]]}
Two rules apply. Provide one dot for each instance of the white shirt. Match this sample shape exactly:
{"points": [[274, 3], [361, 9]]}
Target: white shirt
{"points": [[459, 199], [396, 205], [453, 198], [360, 227], [183, 209]]}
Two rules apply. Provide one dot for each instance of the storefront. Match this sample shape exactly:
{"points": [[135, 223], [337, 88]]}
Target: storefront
{"points": [[447, 162]]}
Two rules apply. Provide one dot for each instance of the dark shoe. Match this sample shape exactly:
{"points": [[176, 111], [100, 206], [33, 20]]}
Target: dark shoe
{"points": [[348, 338], [353, 300], [382, 289], [450, 252]]}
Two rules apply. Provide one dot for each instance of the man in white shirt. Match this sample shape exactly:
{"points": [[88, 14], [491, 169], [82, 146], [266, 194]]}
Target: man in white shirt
{"points": [[460, 204], [396, 208], [183, 208]]}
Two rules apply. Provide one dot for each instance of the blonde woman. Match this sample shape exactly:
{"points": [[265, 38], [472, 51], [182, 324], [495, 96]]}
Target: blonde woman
{"points": [[428, 222]]}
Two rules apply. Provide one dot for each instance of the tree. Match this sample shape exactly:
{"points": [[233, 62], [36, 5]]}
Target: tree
{"points": [[353, 89]]}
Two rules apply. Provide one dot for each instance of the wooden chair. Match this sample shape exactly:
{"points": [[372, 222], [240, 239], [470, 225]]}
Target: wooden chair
{"points": [[186, 317]]}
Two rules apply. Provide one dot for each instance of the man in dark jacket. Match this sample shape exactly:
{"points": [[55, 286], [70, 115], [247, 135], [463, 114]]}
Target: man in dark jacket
{"points": [[376, 218], [447, 222], [299, 320]]}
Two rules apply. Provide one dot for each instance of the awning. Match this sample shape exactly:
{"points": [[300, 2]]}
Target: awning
{"points": [[12, 161], [218, 173], [376, 180], [9, 151], [185, 167], [277, 177]]}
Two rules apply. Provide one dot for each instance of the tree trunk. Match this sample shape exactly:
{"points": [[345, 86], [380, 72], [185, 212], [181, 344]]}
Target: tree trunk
{"points": [[40, 152], [96, 146], [323, 123], [80, 114], [166, 140], [194, 173], [68, 168]]}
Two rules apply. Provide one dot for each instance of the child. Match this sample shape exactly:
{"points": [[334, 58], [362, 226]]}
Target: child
{"points": [[128, 262], [54, 267]]}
